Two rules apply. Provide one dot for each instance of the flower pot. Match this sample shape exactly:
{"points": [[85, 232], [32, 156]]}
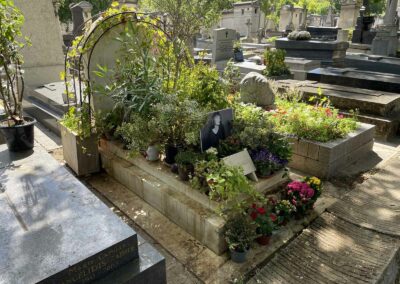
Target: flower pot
{"points": [[170, 152], [19, 137], [152, 153], [80, 154], [264, 240], [184, 171], [239, 256], [238, 56]]}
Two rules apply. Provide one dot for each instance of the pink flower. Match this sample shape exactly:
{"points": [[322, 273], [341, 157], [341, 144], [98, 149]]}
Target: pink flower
{"points": [[295, 185]]}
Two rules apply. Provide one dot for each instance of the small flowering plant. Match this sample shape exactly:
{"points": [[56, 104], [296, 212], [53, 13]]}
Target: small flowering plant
{"points": [[263, 219], [283, 210], [266, 162], [316, 184], [303, 194]]}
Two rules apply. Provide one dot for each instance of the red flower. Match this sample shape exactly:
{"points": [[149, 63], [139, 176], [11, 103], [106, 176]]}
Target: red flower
{"points": [[328, 112], [261, 210], [273, 217], [254, 206], [253, 215]]}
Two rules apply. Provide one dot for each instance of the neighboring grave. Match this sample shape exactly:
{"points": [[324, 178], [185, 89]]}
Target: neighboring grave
{"points": [[222, 48], [255, 88], [81, 12], [54, 230], [348, 14], [44, 60], [386, 39]]}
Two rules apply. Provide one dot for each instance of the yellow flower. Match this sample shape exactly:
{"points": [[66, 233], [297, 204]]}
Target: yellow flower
{"points": [[315, 180]]}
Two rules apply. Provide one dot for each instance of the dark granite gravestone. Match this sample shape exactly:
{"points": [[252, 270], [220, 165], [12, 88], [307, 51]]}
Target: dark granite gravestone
{"points": [[362, 32], [80, 13], [376, 63], [325, 33], [332, 52], [356, 78], [54, 230]]}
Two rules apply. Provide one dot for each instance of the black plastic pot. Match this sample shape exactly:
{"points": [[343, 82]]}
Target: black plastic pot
{"points": [[20, 137], [185, 171], [170, 152], [238, 56]]}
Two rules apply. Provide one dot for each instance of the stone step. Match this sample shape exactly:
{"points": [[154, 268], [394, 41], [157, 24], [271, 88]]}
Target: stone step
{"points": [[54, 230], [332, 250], [352, 77], [376, 63], [43, 114]]}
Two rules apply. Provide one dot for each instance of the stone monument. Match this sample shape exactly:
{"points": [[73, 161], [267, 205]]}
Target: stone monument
{"points": [[44, 60], [363, 32], [81, 12], [348, 14], [255, 88], [386, 39], [222, 48]]}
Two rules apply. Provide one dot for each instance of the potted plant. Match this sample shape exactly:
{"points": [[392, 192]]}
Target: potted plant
{"points": [[17, 129], [238, 52], [185, 161], [239, 233], [283, 210], [265, 223], [80, 142], [300, 194]]}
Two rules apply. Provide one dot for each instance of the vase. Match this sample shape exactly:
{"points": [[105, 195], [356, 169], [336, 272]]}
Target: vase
{"points": [[170, 152], [239, 256], [19, 137], [152, 153], [264, 240]]}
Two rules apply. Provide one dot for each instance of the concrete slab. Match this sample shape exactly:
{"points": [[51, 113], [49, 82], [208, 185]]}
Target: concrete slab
{"points": [[334, 251]]}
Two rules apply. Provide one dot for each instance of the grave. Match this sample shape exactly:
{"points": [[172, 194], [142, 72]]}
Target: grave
{"points": [[330, 52], [189, 208], [376, 63], [352, 77], [222, 47], [44, 60], [54, 230], [363, 33], [349, 10], [375, 107], [326, 33]]}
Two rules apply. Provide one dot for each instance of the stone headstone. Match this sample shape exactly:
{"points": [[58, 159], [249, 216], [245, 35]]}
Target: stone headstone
{"points": [[81, 12], [44, 60], [386, 39], [255, 88], [243, 160], [348, 14], [222, 48]]}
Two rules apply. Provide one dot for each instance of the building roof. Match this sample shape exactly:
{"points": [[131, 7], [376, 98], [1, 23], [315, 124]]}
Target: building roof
{"points": [[247, 3]]}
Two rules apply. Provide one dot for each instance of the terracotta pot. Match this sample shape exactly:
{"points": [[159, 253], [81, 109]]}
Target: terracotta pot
{"points": [[264, 240]]}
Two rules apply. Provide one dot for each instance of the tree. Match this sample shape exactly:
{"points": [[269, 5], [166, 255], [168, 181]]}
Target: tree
{"points": [[64, 12]]}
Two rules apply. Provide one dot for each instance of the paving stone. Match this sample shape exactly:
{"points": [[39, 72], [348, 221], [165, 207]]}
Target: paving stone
{"points": [[332, 250]]}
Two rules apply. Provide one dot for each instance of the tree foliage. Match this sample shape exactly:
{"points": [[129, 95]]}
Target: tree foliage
{"points": [[64, 12]]}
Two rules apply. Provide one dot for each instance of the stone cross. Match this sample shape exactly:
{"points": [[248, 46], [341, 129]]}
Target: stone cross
{"points": [[248, 24]]}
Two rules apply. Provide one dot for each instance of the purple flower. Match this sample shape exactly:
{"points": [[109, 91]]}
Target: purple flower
{"points": [[264, 156]]}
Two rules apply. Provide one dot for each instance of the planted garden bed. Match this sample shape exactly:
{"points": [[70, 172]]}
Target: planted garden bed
{"points": [[326, 159], [187, 207]]}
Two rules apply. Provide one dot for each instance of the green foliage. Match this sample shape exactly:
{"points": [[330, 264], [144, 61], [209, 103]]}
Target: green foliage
{"points": [[283, 210], [77, 121], [232, 77], [239, 232], [187, 158], [107, 122], [225, 184], [11, 43], [202, 84], [139, 133], [179, 121], [320, 123], [275, 61], [136, 82], [64, 13]]}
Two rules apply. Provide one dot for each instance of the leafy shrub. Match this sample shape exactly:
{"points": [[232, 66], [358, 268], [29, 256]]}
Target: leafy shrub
{"points": [[232, 77], [299, 35], [202, 84], [187, 158], [77, 120], [275, 63], [239, 232], [320, 123]]}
